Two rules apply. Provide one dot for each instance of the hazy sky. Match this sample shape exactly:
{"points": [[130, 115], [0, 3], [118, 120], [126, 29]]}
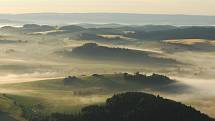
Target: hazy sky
{"points": [[204, 7]]}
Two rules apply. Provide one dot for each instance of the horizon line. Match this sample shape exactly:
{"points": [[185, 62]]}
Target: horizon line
{"points": [[106, 13]]}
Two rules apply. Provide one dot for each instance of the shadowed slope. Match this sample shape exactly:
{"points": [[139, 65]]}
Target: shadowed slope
{"points": [[135, 106]]}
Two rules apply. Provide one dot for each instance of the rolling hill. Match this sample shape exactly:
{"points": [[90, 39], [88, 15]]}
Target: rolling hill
{"points": [[194, 32], [137, 33], [72, 93], [105, 83], [96, 52]]}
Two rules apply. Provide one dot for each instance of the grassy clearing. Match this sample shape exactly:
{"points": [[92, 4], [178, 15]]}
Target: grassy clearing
{"points": [[186, 41]]}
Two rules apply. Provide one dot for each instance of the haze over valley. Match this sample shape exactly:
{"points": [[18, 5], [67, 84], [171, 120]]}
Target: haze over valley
{"points": [[60, 63]]}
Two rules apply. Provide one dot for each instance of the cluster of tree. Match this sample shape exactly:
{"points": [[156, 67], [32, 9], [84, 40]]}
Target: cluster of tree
{"points": [[70, 80], [134, 106], [155, 79]]}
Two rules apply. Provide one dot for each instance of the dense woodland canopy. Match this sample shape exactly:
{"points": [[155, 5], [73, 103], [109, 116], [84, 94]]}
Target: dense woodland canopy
{"points": [[132, 106]]}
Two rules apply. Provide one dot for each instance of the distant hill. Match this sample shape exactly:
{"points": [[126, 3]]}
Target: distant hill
{"points": [[133, 32], [198, 45], [37, 28], [118, 18], [27, 28], [71, 28], [147, 28], [177, 33], [135, 106], [88, 25], [10, 29], [147, 32], [96, 52]]}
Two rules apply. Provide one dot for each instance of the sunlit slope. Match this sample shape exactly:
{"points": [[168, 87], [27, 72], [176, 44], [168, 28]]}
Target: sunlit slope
{"points": [[69, 94], [105, 83], [197, 45]]}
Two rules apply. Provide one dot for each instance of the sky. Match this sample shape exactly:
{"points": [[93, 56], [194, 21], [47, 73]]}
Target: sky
{"points": [[191, 7]]}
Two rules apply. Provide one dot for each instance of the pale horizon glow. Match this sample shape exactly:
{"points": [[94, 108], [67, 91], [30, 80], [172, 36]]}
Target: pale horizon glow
{"points": [[189, 7]]}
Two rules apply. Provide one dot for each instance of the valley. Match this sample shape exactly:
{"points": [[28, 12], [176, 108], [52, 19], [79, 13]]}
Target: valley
{"points": [[36, 60]]}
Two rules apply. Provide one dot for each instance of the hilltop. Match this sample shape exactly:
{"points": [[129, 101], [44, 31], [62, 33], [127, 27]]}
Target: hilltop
{"points": [[135, 106]]}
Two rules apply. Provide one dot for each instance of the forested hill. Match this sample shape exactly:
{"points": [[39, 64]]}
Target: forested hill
{"points": [[178, 33], [146, 32], [135, 106], [104, 53]]}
